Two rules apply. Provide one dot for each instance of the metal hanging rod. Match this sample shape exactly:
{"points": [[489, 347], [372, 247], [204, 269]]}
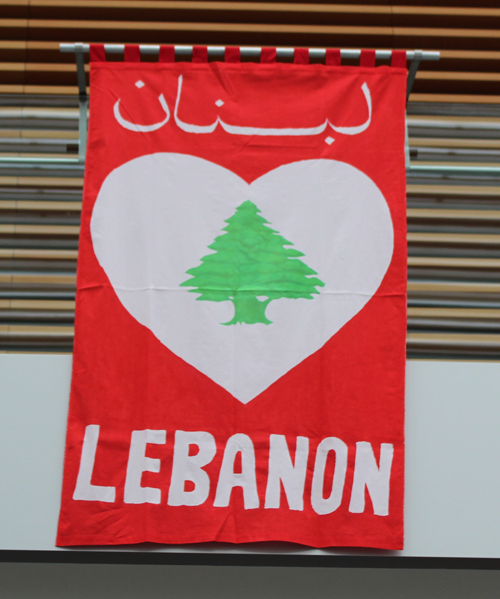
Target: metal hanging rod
{"points": [[79, 49], [248, 52]]}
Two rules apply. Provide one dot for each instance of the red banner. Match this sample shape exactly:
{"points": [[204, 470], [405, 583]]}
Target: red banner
{"points": [[239, 357]]}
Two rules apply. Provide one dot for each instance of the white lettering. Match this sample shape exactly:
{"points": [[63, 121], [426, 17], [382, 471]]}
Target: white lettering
{"points": [[190, 484], [376, 480], [139, 463], [321, 505], [190, 468], [246, 479], [282, 470], [85, 490]]}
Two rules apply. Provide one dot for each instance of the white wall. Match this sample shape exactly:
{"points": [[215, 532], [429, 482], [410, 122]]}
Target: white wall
{"points": [[453, 456]]}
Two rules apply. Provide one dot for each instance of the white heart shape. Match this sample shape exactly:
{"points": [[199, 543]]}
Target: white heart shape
{"points": [[156, 215]]}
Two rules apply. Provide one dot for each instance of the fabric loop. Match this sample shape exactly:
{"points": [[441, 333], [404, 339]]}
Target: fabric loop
{"points": [[398, 59], [97, 53], [301, 56], [367, 58], [268, 55], [232, 54], [332, 57], [167, 54], [132, 53], [200, 54]]}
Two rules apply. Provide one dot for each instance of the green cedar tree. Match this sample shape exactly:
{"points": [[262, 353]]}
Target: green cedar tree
{"points": [[250, 262]]}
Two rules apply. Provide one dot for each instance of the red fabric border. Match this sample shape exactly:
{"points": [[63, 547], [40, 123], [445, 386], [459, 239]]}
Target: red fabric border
{"points": [[301, 56], [200, 54], [97, 53], [167, 54], [367, 58], [268, 55], [132, 53], [398, 59], [333, 57], [232, 54]]}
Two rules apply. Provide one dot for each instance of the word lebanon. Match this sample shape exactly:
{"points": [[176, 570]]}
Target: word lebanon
{"points": [[193, 450]]}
